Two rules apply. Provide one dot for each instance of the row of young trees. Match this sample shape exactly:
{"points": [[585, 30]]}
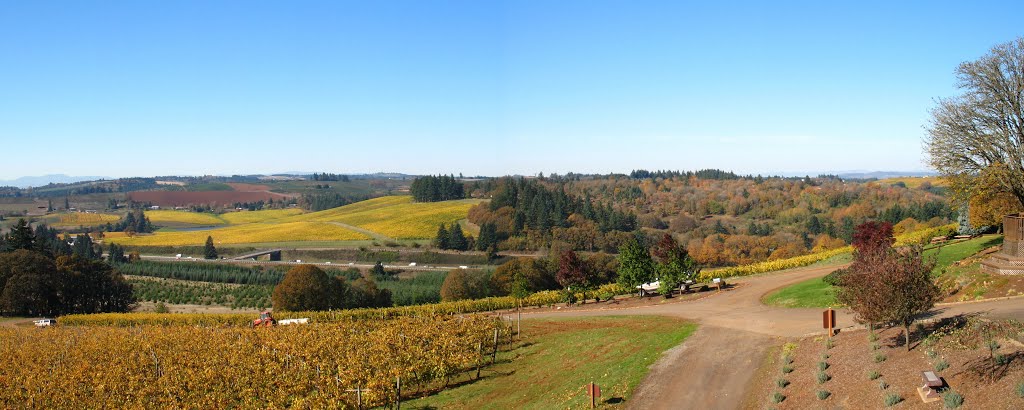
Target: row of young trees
{"points": [[436, 188], [43, 275]]}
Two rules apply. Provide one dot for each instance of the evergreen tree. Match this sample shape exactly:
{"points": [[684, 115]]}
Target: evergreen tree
{"points": [[116, 254], [457, 240], [209, 251], [442, 238], [21, 236]]}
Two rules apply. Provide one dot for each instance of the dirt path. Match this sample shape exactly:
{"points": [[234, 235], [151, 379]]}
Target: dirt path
{"points": [[710, 370], [714, 366], [369, 233]]}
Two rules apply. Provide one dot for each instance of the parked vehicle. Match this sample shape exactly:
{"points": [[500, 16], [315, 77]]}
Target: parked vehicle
{"points": [[45, 322]]}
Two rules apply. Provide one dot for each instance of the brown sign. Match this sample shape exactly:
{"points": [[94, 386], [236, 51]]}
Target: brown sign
{"points": [[828, 320], [594, 392]]}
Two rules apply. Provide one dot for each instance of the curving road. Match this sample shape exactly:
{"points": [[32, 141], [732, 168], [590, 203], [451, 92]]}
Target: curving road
{"points": [[713, 367]]}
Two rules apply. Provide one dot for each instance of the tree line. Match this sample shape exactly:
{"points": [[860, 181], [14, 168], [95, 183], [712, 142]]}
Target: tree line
{"points": [[43, 275], [326, 176], [436, 188]]}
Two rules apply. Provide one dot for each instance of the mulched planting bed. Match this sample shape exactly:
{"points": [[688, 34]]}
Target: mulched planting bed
{"points": [[848, 381]]}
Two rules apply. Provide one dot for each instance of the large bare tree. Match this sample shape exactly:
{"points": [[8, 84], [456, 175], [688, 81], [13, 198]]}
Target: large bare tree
{"points": [[976, 139]]}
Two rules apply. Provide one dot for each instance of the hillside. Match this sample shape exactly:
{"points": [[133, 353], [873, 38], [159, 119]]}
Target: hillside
{"points": [[390, 217]]}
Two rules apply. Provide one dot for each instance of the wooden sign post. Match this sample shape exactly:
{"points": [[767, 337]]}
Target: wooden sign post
{"points": [[828, 321], [594, 392]]}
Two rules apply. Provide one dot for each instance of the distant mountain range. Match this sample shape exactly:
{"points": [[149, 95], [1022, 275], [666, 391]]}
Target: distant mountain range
{"points": [[25, 182]]}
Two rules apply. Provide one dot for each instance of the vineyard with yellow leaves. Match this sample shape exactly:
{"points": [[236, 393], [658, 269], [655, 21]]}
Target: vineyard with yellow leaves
{"points": [[183, 217], [248, 233], [310, 366], [74, 219], [544, 298], [396, 216], [391, 216], [266, 215]]}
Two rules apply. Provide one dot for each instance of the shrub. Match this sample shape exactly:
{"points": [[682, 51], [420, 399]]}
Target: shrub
{"points": [[788, 348], [892, 399], [1002, 359], [782, 383], [823, 377], [778, 397], [931, 353], [883, 385], [879, 357], [874, 374], [875, 346], [822, 366], [829, 344], [941, 365], [823, 394], [787, 369], [825, 356], [952, 399], [873, 337], [787, 359]]}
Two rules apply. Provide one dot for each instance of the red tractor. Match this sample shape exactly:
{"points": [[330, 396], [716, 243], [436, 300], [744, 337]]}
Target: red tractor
{"points": [[265, 320]]}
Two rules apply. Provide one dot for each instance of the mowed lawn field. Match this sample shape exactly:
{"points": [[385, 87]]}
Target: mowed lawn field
{"points": [[395, 217]]}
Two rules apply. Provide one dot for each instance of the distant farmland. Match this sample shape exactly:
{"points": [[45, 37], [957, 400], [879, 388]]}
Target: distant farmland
{"points": [[185, 198], [391, 217]]}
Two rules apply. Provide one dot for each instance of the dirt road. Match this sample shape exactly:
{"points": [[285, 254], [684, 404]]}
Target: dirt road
{"points": [[713, 367]]}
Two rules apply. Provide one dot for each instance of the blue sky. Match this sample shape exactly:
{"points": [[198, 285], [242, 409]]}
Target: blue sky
{"points": [[125, 88]]}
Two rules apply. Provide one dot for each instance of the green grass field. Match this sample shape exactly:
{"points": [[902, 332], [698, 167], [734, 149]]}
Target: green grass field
{"points": [[816, 293], [559, 356]]}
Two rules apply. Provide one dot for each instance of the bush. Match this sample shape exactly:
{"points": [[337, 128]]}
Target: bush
{"points": [[787, 369], [875, 346], [782, 383], [787, 359], [829, 344], [823, 394], [952, 399], [1002, 359], [1020, 389], [825, 356], [834, 277], [823, 377], [883, 385], [874, 374], [778, 397], [931, 353], [873, 337], [822, 366], [879, 357], [892, 399], [941, 365]]}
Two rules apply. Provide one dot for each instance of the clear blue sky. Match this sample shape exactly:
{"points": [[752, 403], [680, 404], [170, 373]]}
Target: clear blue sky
{"points": [[123, 88]]}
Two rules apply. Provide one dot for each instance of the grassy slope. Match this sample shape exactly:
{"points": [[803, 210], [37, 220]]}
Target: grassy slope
{"points": [[560, 356], [816, 293], [392, 216]]}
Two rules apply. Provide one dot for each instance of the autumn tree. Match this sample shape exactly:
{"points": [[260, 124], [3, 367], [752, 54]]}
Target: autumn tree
{"points": [[307, 287], [886, 285], [573, 271], [527, 273], [462, 284], [976, 139]]}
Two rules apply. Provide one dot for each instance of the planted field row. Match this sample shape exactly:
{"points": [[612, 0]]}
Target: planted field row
{"points": [[311, 366], [201, 293], [248, 233]]}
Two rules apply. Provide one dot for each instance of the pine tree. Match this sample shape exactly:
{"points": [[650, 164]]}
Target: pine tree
{"points": [[21, 236], [209, 251], [457, 240], [442, 238]]}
